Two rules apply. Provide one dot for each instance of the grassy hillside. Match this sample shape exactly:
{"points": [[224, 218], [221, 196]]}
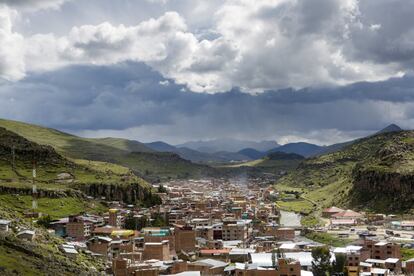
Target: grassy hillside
{"points": [[123, 144], [276, 162], [134, 155], [59, 177], [374, 173], [18, 156], [63, 185], [41, 256]]}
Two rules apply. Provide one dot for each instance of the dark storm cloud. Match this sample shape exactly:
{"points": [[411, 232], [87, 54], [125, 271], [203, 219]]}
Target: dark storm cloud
{"points": [[132, 100], [385, 33]]}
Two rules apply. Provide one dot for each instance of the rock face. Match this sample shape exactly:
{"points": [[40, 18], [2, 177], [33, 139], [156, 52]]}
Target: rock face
{"points": [[129, 194], [379, 188], [41, 192]]}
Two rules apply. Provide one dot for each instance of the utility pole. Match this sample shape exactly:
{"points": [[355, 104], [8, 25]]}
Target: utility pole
{"points": [[13, 159], [34, 189]]}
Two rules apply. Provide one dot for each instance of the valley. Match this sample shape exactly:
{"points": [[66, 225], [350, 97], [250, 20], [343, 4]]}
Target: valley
{"points": [[83, 179]]}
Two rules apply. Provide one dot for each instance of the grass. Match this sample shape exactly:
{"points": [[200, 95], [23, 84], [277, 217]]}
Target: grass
{"points": [[47, 171], [268, 165], [252, 163], [328, 239], [310, 221], [55, 207], [130, 154], [41, 257], [407, 253], [103, 167], [329, 179], [298, 206], [14, 262]]}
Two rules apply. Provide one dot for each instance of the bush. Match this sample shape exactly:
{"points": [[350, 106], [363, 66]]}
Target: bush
{"points": [[44, 221]]}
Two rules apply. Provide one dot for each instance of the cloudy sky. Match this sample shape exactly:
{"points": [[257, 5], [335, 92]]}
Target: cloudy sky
{"points": [[321, 71]]}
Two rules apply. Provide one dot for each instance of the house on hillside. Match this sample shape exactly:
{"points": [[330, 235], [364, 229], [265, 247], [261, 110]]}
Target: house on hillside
{"points": [[26, 235], [329, 212], [4, 225], [348, 215]]}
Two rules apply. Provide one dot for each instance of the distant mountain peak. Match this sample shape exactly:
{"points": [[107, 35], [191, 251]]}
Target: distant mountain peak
{"points": [[390, 128], [229, 145]]}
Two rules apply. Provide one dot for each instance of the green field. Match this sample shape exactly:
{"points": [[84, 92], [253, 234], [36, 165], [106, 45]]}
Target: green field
{"points": [[298, 206], [407, 253], [15, 262], [55, 207], [328, 239]]}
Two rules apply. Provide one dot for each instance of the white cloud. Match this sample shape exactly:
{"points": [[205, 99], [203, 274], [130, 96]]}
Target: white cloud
{"points": [[12, 65], [375, 27], [164, 43], [257, 45]]}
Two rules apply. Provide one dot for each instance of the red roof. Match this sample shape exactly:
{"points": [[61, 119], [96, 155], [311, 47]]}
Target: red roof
{"points": [[333, 209], [348, 214]]}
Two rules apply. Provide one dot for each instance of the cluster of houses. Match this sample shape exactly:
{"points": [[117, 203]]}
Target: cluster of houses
{"points": [[370, 255], [22, 233], [215, 227]]}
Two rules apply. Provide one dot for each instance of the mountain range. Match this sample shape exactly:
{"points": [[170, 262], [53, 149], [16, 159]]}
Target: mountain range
{"points": [[227, 150], [227, 145], [159, 159]]}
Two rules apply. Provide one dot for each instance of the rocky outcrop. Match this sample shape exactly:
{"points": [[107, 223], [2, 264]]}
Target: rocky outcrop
{"points": [[128, 193], [41, 192], [379, 187]]}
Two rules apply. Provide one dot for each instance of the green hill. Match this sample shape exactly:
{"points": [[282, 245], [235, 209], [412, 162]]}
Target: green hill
{"points": [[63, 186], [375, 173], [277, 163], [134, 155], [55, 173]]}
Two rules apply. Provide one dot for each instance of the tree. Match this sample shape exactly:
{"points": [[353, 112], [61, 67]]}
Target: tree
{"points": [[274, 258], [135, 223], [338, 266], [162, 189], [321, 264], [150, 199], [158, 220], [44, 221]]}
